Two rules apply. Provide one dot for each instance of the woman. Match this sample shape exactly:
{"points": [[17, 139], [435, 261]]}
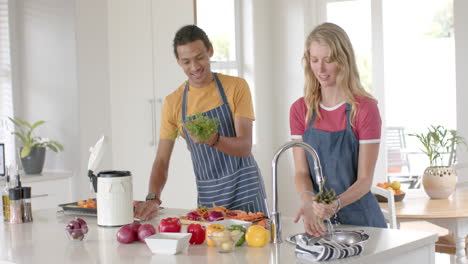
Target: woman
{"points": [[341, 121]]}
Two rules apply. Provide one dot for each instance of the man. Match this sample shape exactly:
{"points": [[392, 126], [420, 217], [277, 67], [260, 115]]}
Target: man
{"points": [[226, 172]]}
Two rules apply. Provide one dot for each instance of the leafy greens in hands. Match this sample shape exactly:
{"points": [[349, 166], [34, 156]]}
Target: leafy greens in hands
{"points": [[202, 127]]}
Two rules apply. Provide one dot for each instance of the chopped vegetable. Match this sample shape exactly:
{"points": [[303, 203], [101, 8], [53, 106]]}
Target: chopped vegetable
{"points": [[194, 216], [88, 203], [205, 213], [215, 216], [210, 230], [240, 229]]}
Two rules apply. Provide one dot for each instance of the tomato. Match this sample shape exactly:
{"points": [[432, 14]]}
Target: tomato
{"points": [[198, 233], [171, 224]]}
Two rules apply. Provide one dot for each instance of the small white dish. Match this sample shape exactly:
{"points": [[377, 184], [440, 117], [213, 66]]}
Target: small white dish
{"points": [[168, 243], [230, 222]]}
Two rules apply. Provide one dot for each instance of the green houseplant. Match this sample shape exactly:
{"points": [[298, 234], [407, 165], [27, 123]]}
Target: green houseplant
{"points": [[438, 141], [440, 178], [32, 153]]}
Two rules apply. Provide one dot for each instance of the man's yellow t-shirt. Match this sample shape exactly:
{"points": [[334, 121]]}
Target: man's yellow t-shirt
{"points": [[200, 100]]}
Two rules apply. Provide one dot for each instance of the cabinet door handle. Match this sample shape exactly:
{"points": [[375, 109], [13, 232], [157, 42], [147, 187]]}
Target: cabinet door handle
{"points": [[153, 123], [157, 109]]}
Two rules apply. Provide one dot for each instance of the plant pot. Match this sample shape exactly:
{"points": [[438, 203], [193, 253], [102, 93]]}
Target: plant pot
{"points": [[34, 162], [439, 182]]}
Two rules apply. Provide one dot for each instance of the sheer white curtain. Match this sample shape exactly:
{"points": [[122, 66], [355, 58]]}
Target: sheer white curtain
{"points": [[6, 98]]}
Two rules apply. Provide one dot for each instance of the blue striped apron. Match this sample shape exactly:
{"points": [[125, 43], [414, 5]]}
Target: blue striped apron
{"points": [[339, 155], [229, 181]]}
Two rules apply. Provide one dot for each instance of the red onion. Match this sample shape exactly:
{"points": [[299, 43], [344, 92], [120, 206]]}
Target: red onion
{"points": [[214, 216], [135, 226], [81, 221], [193, 216], [126, 234], [145, 231]]}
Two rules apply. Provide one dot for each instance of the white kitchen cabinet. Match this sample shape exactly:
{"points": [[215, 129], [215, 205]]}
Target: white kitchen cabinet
{"points": [[143, 71], [49, 189]]}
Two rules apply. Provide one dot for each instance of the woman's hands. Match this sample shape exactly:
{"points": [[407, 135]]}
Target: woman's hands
{"points": [[313, 224], [325, 211], [313, 213]]}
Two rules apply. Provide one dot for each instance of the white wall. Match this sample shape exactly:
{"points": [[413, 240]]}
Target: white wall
{"points": [[288, 42], [93, 86], [461, 60], [44, 80], [257, 71]]}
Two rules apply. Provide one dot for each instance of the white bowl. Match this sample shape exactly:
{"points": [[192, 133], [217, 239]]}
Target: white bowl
{"points": [[168, 243], [230, 222]]}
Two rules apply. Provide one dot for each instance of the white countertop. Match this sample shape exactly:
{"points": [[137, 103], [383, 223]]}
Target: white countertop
{"points": [[44, 241], [45, 176]]}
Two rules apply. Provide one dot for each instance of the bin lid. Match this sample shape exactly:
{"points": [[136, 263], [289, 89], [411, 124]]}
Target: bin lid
{"points": [[114, 173], [96, 153]]}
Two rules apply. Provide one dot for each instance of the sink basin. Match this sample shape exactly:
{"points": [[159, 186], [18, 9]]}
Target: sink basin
{"points": [[343, 236]]}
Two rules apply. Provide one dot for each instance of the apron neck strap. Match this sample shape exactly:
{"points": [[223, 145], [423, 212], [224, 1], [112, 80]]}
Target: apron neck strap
{"points": [[348, 116]]}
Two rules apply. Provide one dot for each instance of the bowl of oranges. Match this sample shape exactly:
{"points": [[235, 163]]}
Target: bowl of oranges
{"points": [[393, 186]]}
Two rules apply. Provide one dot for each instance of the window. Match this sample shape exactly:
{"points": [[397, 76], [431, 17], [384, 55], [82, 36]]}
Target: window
{"points": [[419, 69], [218, 19], [6, 98], [413, 52], [358, 28]]}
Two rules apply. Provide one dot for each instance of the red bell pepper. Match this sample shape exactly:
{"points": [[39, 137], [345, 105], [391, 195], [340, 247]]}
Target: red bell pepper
{"points": [[171, 224], [198, 233]]}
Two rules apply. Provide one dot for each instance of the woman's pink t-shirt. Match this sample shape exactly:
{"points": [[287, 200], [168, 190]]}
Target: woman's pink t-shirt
{"points": [[366, 126]]}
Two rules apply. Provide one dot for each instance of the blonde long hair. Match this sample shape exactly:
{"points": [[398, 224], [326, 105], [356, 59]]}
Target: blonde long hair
{"points": [[341, 52]]}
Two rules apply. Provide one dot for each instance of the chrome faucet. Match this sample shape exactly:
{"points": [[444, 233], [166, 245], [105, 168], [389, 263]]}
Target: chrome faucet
{"points": [[275, 215]]}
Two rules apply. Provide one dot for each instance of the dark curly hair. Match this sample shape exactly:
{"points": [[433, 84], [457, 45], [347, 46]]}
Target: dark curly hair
{"points": [[190, 33]]}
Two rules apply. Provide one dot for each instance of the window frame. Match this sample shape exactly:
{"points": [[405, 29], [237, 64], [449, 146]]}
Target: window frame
{"points": [[230, 64]]}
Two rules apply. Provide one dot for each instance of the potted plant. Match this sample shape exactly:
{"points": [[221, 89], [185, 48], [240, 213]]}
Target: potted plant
{"points": [[440, 178], [32, 153]]}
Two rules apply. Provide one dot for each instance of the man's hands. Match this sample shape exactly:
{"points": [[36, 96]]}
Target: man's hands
{"points": [[210, 142], [147, 210]]}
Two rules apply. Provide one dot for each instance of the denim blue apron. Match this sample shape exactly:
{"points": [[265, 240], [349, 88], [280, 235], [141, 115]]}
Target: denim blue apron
{"points": [[229, 181], [339, 154]]}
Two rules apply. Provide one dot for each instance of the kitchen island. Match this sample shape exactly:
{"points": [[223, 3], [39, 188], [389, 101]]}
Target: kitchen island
{"points": [[45, 241]]}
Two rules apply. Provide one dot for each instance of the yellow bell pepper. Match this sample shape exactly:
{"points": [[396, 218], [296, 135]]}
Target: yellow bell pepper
{"points": [[257, 236], [210, 230]]}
